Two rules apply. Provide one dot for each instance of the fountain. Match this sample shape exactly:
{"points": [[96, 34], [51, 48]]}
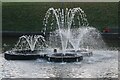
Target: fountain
{"points": [[71, 27], [65, 20], [27, 48], [32, 43], [70, 38]]}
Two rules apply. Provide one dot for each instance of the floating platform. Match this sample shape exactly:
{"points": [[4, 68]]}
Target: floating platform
{"points": [[23, 55], [67, 57]]}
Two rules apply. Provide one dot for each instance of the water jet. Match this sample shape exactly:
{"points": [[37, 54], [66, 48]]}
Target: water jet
{"points": [[69, 38]]}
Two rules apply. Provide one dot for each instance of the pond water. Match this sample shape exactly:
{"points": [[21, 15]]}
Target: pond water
{"points": [[103, 63]]}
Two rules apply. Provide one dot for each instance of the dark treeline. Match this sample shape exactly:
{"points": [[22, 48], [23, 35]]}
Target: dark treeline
{"points": [[27, 16]]}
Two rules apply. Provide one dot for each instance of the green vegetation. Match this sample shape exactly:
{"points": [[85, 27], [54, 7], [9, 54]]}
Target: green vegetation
{"points": [[29, 16]]}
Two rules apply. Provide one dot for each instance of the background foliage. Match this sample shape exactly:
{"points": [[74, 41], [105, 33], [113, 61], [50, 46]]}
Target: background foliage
{"points": [[28, 16]]}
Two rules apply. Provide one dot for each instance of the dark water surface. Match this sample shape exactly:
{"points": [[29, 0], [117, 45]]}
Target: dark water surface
{"points": [[9, 42]]}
